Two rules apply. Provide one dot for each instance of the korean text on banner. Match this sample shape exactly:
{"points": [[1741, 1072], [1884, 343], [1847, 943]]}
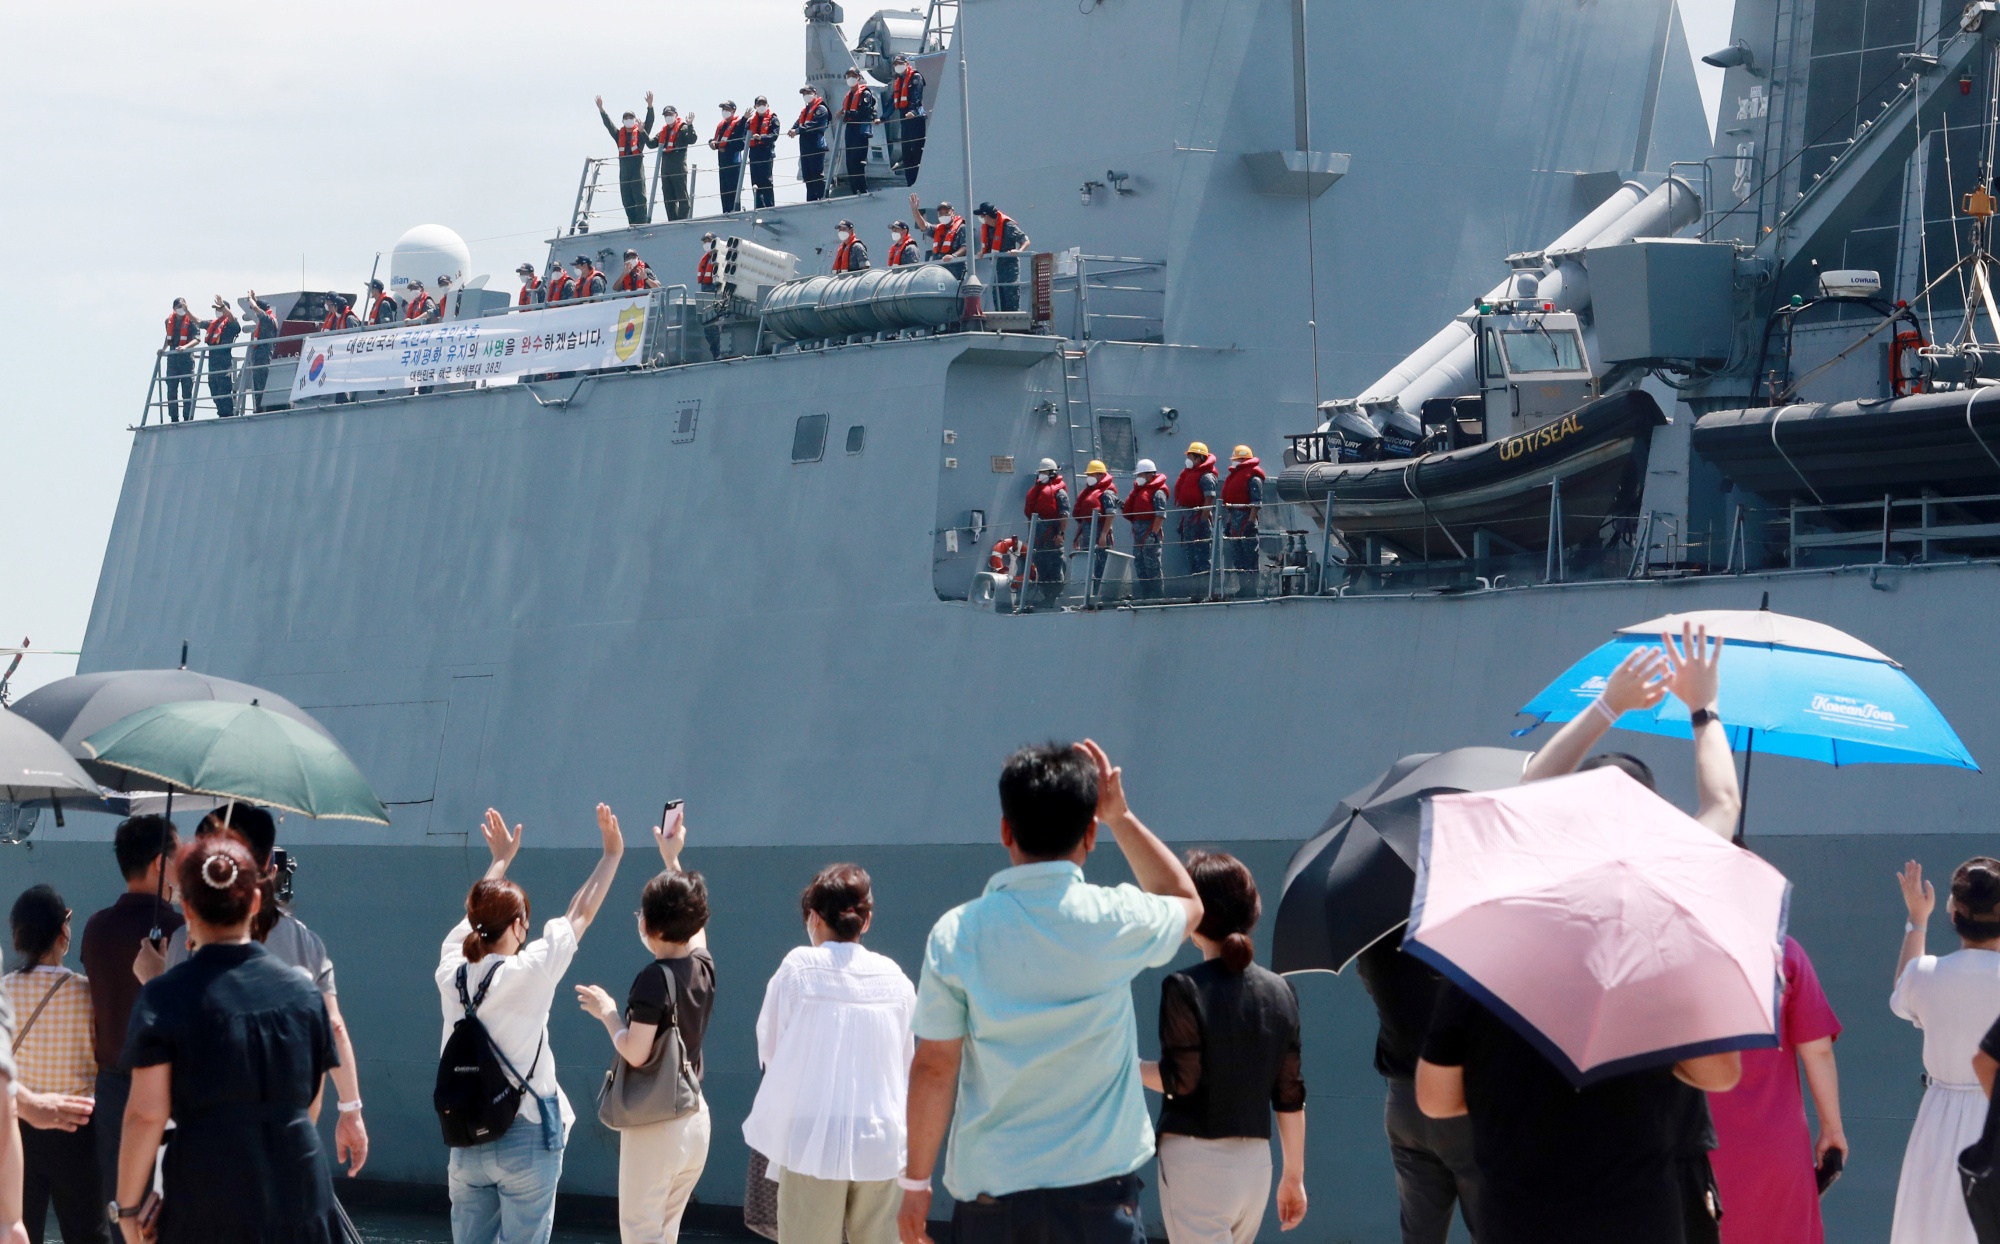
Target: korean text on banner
{"points": [[588, 336]]}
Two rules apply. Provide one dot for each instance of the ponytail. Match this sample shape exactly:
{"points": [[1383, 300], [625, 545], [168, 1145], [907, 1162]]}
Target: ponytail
{"points": [[491, 908], [1229, 905], [1237, 952]]}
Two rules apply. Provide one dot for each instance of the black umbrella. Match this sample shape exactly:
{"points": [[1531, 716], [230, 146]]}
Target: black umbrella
{"points": [[1351, 884], [73, 709]]}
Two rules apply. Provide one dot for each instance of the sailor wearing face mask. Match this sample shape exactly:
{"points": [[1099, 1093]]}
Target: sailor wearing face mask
{"points": [[632, 138], [673, 140], [727, 144], [1048, 509], [810, 129], [589, 281], [182, 329], [1096, 517], [763, 144], [220, 335], [903, 248], [851, 255], [1194, 496], [1242, 496], [1146, 510], [906, 105], [857, 116]]}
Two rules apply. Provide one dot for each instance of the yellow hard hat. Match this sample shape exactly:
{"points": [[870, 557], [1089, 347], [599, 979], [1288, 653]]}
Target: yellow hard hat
{"points": [[1095, 468], [1197, 447], [1240, 453]]}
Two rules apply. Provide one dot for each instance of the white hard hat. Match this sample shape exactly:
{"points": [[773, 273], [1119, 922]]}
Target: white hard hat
{"points": [[1144, 467], [1048, 464]]}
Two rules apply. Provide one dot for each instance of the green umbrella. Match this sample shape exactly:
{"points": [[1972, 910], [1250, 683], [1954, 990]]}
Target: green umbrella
{"points": [[241, 752]]}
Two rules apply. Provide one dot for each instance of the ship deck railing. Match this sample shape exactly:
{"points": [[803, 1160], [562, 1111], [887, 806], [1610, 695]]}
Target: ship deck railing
{"points": [[1034, 565], [1892, 531], [257, 377]]}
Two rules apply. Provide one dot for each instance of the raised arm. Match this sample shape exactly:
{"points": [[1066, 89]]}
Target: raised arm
{"points": [[584, 904], [1919, 900], [672, 838], [933, 1090], [1695, 680], [606, 118], [1156, 868], [1639, 682], [502, 845]]}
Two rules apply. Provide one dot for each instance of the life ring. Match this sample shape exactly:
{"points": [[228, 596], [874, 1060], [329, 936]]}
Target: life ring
{"points": [[1903, 382], [1009, 555]]}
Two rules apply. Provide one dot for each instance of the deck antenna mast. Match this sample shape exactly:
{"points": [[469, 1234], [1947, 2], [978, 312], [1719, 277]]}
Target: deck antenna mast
{"points": [[971, 288], [1981, 206]]}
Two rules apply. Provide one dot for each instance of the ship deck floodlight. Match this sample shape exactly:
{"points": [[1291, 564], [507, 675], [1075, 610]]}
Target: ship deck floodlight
{"points": [[1736, 55]]}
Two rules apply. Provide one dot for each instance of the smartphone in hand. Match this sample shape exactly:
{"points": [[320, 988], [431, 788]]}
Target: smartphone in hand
{"points": [[670, 815], [1829, 1169]]}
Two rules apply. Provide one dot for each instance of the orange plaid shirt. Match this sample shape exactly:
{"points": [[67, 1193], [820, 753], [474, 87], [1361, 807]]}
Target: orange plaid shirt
{"points": [[57, 1056]]}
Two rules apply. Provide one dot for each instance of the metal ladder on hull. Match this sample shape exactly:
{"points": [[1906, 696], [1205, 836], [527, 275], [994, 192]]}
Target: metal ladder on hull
{"points": [[1078, 412]]}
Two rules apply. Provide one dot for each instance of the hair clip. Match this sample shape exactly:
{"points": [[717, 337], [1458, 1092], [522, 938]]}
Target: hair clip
{"points": [[208, 872]]}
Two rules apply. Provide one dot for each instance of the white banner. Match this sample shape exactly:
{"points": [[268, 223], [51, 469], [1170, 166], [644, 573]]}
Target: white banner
{"points": [[587, 336]]}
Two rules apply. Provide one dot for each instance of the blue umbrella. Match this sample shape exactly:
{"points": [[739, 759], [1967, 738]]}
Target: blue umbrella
{"points": [[1790, 687]]}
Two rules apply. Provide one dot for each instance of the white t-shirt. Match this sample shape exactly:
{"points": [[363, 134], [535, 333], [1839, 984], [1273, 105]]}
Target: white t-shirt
{"points": [[1953, 998], [834, 1038], [516, 1009]]}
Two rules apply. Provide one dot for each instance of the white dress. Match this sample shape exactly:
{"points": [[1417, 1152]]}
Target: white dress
{"points": [[835, 1041], [1954, 998]]}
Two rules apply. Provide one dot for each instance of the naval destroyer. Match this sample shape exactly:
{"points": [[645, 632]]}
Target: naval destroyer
{"points": [[754, 570]]}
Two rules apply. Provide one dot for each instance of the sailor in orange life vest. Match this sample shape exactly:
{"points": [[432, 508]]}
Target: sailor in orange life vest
{"points": [[947, 236], [264, 330], [1242, 494], [858, 110], [851, 255], [1048, 508], [727, 144], [219, 334], [1001, 238], [903, 248], [673, 140], [557, 287], [906, 109], [182, 330], [531, 286], [1096, 523], [763, 144], [632, 137], [1194, 496], [810, 129], [589, 281], [704, 276], [382, 309], [339, 318], [1146, 510], [636, 275], [441, 305]]}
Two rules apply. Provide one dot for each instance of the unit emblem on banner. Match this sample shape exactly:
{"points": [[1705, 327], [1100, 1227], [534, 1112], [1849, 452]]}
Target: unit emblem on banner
{"points": [[631, 326]]}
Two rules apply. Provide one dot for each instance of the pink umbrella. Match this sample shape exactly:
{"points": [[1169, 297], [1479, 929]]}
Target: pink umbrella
{"points": [[1606, 926]]}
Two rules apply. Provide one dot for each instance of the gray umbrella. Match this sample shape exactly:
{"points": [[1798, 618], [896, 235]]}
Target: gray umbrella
{"points": [[34, 767], [1351, 884], [73, 709]]}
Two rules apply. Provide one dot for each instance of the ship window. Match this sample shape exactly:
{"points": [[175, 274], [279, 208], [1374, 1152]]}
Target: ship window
{"points": [[1540, 351], [809, 438], [855, 436], [1115, 444]]}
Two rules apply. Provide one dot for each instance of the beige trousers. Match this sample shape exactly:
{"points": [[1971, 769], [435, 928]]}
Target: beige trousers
{"points": [[816, 1211], [657, 1168], [1214, 1191]]}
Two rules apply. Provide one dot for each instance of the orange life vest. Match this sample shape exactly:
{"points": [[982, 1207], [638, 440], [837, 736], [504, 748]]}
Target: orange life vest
{"points": [[527, 298], [946, 235], [806, 115], [182, 328], [993, 233], [899, 94], [842, 256], [631, 140], [762, 124], [899, 248], [704, 271], [852, 104], [670, 134]]}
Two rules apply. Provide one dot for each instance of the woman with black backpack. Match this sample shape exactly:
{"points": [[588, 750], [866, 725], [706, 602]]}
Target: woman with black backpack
{"points": [[495, 987]]}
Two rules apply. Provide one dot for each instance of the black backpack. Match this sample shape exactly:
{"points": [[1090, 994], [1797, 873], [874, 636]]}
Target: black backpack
{"points": [[478, 1093]]}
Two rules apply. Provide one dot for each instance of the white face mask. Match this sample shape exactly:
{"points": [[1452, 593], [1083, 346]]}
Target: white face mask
{"points": [[1096, 479], [1192, 460], [762, 109], [843, 234], [1045, 476]]}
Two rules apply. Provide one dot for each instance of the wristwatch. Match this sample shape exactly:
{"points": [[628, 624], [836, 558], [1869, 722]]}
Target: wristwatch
{"points": [[1701, 717], [114, 1212]]}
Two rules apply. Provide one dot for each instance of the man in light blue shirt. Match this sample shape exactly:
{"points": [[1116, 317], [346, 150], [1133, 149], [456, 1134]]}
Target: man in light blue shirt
{"points": [[1026, 1038]]}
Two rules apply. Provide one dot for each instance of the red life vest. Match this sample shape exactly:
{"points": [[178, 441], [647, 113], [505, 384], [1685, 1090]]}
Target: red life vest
{"points": [[670, 134], [899, 93], [631, 140], [527, 298], [1145, 500], [559, 285], [841, 257], [376, 308], [182, 328], [214, 335], [851, 106], [589, 285], [806, 115], [728, 130], [762, 124], [1091, 500], [1044, 500], [945, 236], [899, 248], [1236, 488], [704, 270], [635, 279], [418, 305], [1187, 488], [337, 320], [992, 232]]}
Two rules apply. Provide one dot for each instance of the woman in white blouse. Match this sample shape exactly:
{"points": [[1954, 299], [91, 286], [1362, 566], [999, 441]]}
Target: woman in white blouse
{"points": [[1953, 998], [834, 1039]]}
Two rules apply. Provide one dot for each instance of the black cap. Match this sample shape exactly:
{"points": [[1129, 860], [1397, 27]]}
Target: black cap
{"points": [[630, 253], [582, 259], [762, 100], [727, 105], [901, 58], [415, 283], [376, 283], [898, 224], [808, 89], [844, 224], [986, 209], [527, 268]]}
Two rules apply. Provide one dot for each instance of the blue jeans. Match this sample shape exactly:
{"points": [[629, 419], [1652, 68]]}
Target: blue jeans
{"points": [[1106, 1212], [504, 1192]]}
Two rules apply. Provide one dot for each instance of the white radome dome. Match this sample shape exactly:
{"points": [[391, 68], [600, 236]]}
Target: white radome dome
{"points": [[426, 253]]}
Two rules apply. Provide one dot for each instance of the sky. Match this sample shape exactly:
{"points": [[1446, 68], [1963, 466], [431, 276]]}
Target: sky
{"points": [[154, 151]]}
